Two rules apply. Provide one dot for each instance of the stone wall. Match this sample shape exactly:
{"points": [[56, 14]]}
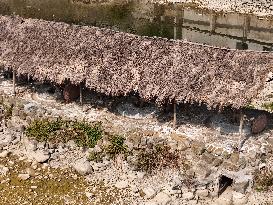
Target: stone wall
{"points": [[206, 163]]}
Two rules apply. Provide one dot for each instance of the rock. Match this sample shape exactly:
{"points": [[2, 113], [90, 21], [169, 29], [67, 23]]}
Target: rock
{"points": [[188, 196], [71, 92], [225, 198], [208, 158], [8, 138], [162, 198], [134, 189], [239, 199], [230, 166], [23, 176], [149, 192], [30, 108], [41, 156], [218, 151], [71, 144], [3, 170], [121, 184], [31, 144], [259, 124], [201, 171], [140, 175], [4, 154], [30, 171], [217, 162], [150, 203], [89, 195], [83, 167], [202, 193], [240, 185], [198, 148], [41, 145], [234, 157]]}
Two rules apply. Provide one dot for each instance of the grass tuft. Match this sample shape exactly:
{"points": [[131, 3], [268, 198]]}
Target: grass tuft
{"points": [[85, 134]]}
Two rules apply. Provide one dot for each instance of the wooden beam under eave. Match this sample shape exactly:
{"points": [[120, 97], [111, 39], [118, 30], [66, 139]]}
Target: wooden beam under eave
{"points": [[13, 81]]}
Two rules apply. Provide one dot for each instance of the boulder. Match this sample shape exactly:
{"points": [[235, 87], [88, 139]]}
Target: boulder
{"points": [[71, 92], [162, 198], [149, 192], [121, 184], [23, 176], [4, 154], [239, 199], [188, 195], [3, 170], [202, 193], [40, 156], [83, 167], [259, 124]]}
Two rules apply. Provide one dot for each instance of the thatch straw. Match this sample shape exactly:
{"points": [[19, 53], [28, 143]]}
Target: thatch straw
{"points": [[117, 63]]}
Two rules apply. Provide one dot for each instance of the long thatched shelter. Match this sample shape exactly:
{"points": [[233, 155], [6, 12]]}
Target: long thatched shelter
{"points": [[117, 63]]}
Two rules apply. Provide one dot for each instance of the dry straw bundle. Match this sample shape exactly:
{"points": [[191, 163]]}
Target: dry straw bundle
{"points": [[117, 63]]}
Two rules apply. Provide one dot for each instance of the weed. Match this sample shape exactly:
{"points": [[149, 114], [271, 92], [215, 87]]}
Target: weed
{"points": [[96, 156], [89, 135], [85, 134], [263, 180], [158, 157], [7, 110], [116, 146]]}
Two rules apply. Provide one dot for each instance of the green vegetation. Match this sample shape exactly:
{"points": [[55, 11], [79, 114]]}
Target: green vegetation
{"points": [[116, 146], [85, 134], [157, 158], [95, 156], [268, 106], [263, 180], [7, 109]]}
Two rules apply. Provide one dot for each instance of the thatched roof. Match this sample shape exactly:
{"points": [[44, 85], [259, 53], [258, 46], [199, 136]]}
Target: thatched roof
{"points": [[117, 63]]}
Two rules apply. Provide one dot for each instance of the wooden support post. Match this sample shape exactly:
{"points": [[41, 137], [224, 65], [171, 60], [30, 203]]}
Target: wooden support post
{"points": [[162, 19], [182, 23], [175, 28], [241, 130], [246, 27], [174, 115], [13, 81], [81, 97], [212, 22]]}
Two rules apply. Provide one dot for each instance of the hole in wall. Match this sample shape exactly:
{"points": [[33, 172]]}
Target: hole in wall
{"points": [[224, 183]]}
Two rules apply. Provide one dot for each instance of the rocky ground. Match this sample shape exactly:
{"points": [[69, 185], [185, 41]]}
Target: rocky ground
{"points": [[41, 172], [257, 7]]}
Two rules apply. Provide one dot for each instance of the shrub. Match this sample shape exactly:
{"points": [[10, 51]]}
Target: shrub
{"points": [[116, 146], [263, 180], [95, 156], [85, 134], [157, 158], [7, 110]]}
